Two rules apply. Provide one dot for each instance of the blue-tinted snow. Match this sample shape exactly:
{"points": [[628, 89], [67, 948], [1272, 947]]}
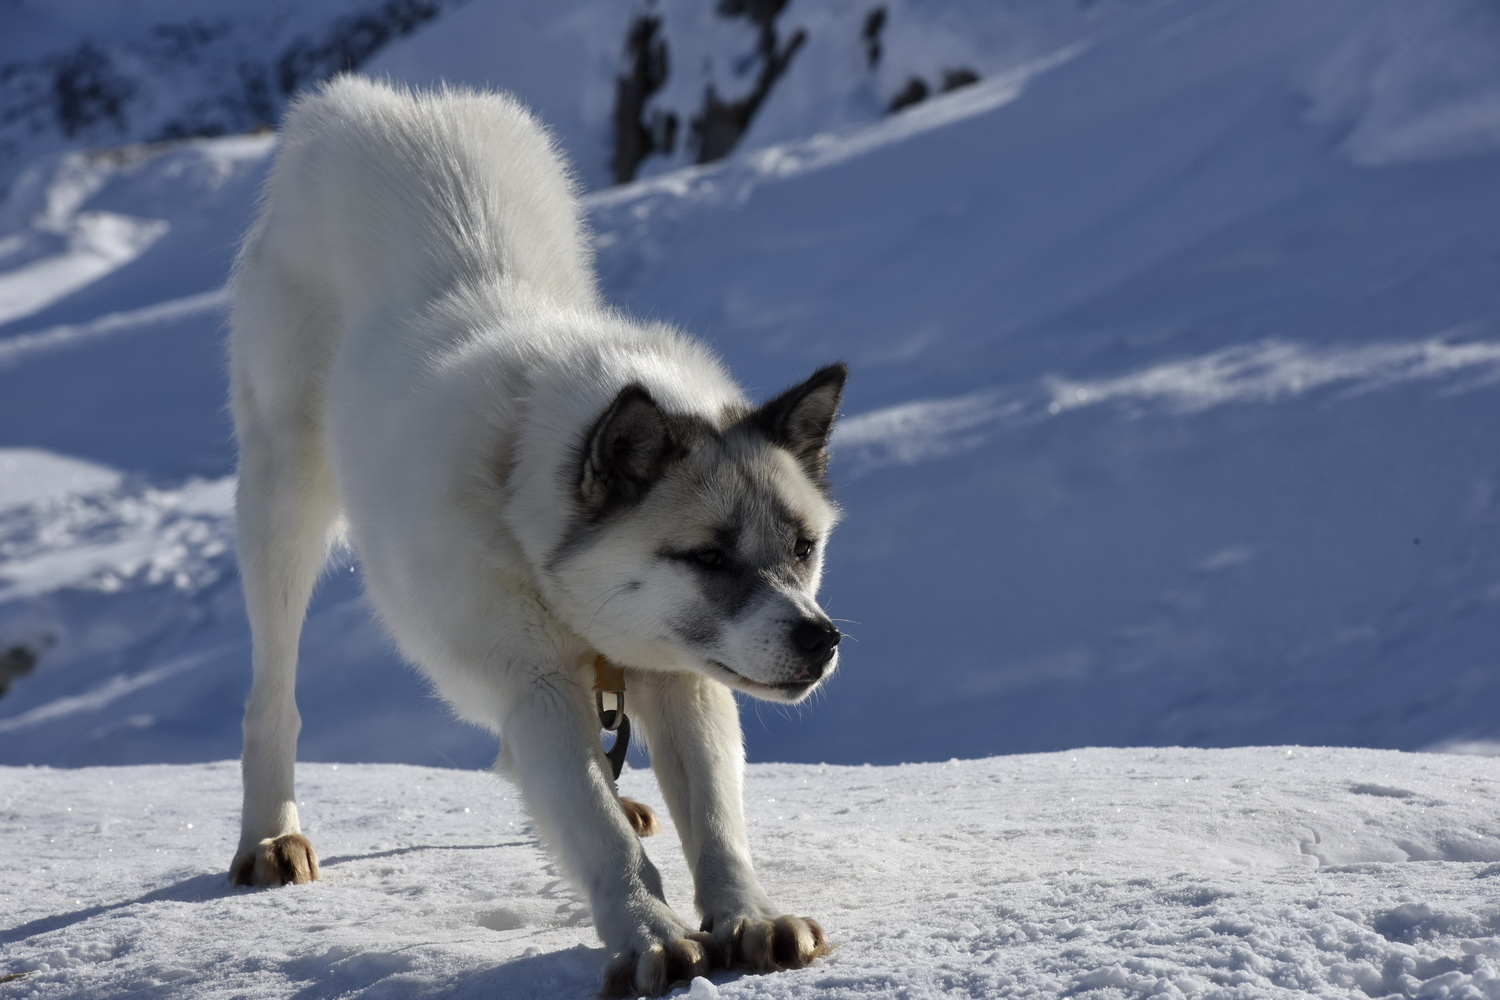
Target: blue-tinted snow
{"points": [[1172, 417]]}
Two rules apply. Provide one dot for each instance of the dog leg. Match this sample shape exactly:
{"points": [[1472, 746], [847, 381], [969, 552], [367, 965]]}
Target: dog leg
{"points": [[551, 752], [697, 751], [284, 510]]}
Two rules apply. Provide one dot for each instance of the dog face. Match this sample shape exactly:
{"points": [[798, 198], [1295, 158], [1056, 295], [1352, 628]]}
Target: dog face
{"points": [[700, 547]]}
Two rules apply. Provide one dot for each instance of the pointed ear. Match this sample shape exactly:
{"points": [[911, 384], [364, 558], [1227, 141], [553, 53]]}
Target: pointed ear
{"points": [[627, 451], [801, 418]]}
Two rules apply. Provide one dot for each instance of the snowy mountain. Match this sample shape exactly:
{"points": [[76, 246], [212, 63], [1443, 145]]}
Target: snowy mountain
{"points": [[77, 74], [1175, 341], [1266, 873], [1175, 336]]}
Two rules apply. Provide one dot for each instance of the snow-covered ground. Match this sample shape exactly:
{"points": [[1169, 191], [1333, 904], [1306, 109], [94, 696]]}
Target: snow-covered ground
{"points": [[1251, 873], [1175, 344]]}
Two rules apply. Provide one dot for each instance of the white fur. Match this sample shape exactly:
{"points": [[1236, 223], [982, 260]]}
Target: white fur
{"points": [[417, 347]]}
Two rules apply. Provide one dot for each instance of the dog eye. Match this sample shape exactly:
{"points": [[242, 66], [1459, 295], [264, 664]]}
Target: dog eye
{"points": [[803, 548], [709, 558]]}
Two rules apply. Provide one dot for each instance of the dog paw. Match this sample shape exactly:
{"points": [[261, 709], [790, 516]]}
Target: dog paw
{"points": [[767, 944], [661, 967], [288, 858], [642, 817]]}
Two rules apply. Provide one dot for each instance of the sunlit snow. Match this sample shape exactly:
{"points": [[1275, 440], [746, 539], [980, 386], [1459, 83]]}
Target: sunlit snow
{"points": [[1174, 346]]}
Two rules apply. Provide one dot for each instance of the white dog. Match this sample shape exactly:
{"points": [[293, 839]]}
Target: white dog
{"points": [[531, 481]]}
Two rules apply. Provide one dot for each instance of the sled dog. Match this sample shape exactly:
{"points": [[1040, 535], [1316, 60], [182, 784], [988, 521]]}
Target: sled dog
{"points": [[420, 360]]}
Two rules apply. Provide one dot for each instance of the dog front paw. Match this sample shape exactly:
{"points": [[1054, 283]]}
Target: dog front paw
{"points": [[760, 943], [660, 967], [288, 858]]}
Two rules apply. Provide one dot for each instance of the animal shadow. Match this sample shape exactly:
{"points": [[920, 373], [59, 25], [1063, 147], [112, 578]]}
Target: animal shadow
{"points": [[196, 889]]}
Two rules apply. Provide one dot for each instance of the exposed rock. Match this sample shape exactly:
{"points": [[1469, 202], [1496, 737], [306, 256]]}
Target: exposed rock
{"points": [[915, 92], [719, 126], [874, 25], [108, 92], [956, 78], [88, 90], [17, 661], [350, 41], [647, 66]]}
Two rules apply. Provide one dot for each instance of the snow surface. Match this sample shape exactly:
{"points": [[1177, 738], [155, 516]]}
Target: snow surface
{"points": [[1176, 358], [78, 74], [1171, 417], [1264, 872], [29, 476]]}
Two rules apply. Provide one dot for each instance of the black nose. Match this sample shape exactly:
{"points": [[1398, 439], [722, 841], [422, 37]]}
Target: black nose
{"points": [[815, 640]]}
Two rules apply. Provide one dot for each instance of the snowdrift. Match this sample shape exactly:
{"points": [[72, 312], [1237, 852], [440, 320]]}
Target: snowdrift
{"points": [[1176, 350], [1175, 347], [1274, 872]]}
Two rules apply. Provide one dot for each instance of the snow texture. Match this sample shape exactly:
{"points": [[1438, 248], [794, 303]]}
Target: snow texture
{"points": [[1169, 421], [76, 73], [1175, 344], [1265, 872]]}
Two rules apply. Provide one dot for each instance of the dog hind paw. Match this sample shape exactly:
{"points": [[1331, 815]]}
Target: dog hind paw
{"points": [[660, 968], [642, 818], [769, 944], [285, 859]]}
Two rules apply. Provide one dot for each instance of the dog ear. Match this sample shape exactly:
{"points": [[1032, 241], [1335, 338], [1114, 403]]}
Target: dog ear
{"points": [[628, 449], [801, 418]]}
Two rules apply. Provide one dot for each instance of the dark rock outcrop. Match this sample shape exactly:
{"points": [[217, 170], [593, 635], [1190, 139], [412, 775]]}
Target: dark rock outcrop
{"points": [[109, 92], [17, 661], [718, 127], [915, 92], [874, 25], [637, 134], [721, 121]]}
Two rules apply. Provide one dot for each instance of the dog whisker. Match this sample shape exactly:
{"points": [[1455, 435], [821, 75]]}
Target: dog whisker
{"points": [[612, 594]]}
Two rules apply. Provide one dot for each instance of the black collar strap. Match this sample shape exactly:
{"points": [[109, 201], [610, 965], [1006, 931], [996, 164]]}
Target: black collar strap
{"points": [[609, 699]]}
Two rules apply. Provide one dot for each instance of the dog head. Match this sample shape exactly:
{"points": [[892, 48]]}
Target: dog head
{"points": [[699, 545]]}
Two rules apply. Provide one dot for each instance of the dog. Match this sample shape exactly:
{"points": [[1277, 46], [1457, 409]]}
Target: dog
{"points": [[420, 362]]}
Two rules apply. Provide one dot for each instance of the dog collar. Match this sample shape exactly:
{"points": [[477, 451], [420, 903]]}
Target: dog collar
{"points": [[609, 700]]}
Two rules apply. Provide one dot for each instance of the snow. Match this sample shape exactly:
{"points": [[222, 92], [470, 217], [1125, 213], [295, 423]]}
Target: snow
{"points": [[28, 475], [1167, 424], [1260, 872], [1416, 82], [75, 74], [1175, 345]]}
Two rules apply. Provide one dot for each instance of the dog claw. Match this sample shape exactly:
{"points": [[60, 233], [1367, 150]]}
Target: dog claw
{"points": [[770, 944], [279, 861], [660, 968]]}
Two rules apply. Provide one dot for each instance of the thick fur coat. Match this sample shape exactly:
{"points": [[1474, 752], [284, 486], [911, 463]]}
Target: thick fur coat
{"points": [[420, 358]]}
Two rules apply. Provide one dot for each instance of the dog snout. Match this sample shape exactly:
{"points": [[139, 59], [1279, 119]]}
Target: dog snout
{"points": [[815, 639]]}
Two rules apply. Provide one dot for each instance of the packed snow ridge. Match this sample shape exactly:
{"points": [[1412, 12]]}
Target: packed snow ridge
{"points": [[1252, 873], [1175, 343]]}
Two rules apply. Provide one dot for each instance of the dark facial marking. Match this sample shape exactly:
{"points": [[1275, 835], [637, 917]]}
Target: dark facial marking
{"points": [[778, 533], [701, 630], [731, 591], [626, 452]]}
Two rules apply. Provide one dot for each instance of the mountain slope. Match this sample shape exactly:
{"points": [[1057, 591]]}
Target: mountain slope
{"points": [[1175, 349]]}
